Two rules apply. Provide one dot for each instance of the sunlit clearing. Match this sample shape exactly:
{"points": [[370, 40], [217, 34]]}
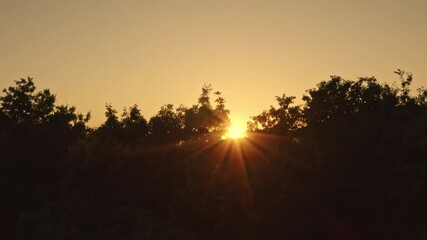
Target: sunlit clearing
{"points": [[235, 131]]}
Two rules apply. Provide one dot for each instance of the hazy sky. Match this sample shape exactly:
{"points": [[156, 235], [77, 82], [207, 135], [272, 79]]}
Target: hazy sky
{"points": [[158, 52]]}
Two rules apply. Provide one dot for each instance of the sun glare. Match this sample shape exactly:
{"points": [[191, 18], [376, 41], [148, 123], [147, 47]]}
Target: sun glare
{"points": [[235, 131]]}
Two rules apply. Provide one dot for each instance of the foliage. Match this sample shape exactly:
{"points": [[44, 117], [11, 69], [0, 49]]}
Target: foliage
{"points": [[166, 125], [202, 119], [134, 123], [349, 163], [169, 125], [285, 120], [21, 103]]}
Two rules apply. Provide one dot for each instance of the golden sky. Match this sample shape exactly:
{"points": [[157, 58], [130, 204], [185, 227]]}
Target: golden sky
{"points": [[157, 52]]}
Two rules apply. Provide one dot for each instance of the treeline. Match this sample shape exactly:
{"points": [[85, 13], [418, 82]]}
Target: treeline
{"points": [[349, 163], [23, 105], [358, 168]]}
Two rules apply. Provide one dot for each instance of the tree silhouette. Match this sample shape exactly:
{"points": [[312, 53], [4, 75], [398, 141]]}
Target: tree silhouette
{"points": [[134, 123], [202, 119], [166, 125], [21, 103], [169, 125], [112, 121], [285, 120], [348, 163]]}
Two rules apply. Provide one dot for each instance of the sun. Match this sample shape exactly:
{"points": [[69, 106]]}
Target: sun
{"points": [[235, 131]]}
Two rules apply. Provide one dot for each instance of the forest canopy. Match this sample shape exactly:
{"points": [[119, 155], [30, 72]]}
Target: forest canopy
{"points": [[347, 163]]}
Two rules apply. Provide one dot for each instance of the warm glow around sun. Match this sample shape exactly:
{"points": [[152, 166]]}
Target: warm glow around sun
{"points": [[235, 131]]}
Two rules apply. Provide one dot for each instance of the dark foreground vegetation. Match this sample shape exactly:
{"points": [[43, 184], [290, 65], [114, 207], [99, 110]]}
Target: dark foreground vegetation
{"points": [[350, 163]]}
